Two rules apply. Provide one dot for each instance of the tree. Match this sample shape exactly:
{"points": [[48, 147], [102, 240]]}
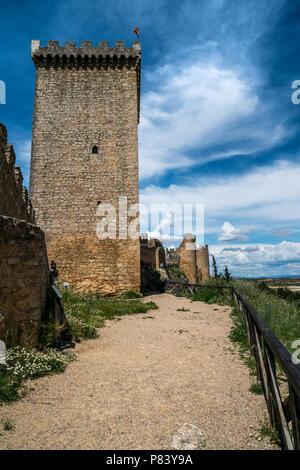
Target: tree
{"points": [[227, 274], [215, 268]]}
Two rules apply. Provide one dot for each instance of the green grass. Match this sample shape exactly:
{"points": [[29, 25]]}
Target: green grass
{"points": [[10, 387], [8, 425], [87, 312], [279, 308], [282, 315], [256, 388], [130, 294], [208, 293], [267, 430], [176, 274]]}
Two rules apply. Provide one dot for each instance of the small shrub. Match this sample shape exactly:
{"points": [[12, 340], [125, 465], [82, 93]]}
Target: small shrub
{"points": [[130, 294], [267, 430], [10, 387], [8, 425], [82, 329], [31, 363], [211, 295], [256, 388]]}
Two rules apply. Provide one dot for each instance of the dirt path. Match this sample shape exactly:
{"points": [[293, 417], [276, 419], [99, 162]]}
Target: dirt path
{"points": [[140, 382]]}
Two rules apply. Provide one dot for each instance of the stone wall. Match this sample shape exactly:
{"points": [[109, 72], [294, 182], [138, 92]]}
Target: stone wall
{"points": [[172, 257], [202, 261], [23, 280], [152, 252], [13, 195], [96, 265], [187, 253], [85, 153], [192, 260]]}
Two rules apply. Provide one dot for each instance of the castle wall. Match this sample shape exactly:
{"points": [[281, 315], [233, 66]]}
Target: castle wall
{"points": [[13, 195], [23, 281], [202, 260], [160, 258], [86, 97], [187, 253], [152, 252], [148, 255]]}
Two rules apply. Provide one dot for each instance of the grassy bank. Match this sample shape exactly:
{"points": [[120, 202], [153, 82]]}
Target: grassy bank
{"points": [[282, 315]]}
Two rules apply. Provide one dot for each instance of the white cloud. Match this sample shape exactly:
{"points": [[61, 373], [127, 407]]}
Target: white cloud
{"points": [[259, 259], [264, 197], [229, 233], [198, 107]]}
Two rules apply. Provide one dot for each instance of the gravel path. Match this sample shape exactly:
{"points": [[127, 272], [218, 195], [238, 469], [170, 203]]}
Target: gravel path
{"points": [[160, 380]]}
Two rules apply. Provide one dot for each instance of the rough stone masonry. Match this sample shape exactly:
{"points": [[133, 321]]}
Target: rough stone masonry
{"points": [[85, 153], [24, 273]]}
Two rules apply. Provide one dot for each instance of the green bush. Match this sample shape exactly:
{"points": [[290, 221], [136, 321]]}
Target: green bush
{"points": [[10, 387], [81, 329], [130, 294], [31, 363], [24, 364]]}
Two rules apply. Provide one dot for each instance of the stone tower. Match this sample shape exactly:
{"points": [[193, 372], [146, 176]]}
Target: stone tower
{"points": [[85, 154]]}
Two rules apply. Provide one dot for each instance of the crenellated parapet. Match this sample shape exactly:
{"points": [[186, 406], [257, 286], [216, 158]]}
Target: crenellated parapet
{"points": [[85, 55], [14, 201]]}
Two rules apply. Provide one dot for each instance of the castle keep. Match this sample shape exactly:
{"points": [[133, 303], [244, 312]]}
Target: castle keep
{"points": [[85, 153]]}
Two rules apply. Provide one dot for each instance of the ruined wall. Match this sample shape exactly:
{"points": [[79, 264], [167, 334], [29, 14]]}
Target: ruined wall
{"points": [[148, 254], [187, 253], [23, 280], [202, 261], [86, 97], [13, 195], [152, 252], [172, 257]]}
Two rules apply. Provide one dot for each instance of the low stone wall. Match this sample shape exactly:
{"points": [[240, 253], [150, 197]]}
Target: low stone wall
{"points": [[24, 277]]}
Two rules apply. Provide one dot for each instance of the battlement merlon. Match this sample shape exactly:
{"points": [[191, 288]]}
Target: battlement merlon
{"points": [[87, 56], [86, 50]]}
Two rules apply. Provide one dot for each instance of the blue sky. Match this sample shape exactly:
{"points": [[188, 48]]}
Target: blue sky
{"points": [[218, 126]]}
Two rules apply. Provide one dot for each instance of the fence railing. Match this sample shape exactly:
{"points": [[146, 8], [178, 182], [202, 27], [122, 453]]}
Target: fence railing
{"points": [[269, 353]]}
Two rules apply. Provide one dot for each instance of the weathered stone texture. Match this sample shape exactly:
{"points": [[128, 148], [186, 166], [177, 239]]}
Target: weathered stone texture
{"points": [[96, 265], [13, 195], [192, 260], [187, 253], [152, 252], [24, 276], [202, 261], [86, 97]]}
